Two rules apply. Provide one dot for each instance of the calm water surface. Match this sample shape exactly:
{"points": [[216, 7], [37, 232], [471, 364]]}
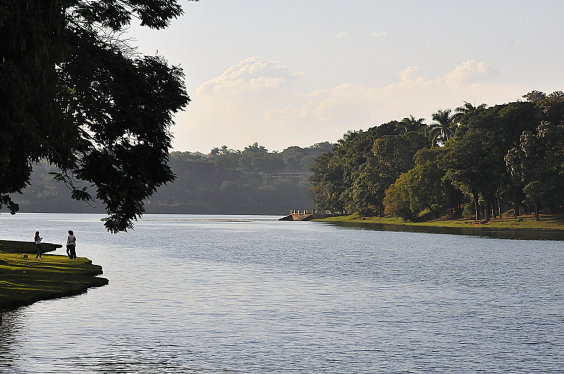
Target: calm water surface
{"points": [[249, 294]]}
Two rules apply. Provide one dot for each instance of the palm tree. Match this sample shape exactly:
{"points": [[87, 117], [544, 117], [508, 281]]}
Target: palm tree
{"points": [[467, 108], [411, 124], [443, 128]]}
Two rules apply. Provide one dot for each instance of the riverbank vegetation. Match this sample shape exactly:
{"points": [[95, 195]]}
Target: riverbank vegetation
{"points": [[475, 161], [25, 279]]}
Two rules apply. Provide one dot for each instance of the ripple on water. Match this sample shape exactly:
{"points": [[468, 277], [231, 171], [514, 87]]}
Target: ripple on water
{"points": [[245, 295]]}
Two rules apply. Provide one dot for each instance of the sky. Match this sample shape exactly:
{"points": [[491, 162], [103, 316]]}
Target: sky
{"points": [[299, 72]]}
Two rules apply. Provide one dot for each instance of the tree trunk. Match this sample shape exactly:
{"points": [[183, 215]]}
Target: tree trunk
{"points": [[488, 209], [516, 205], [476, 204], [537, 216], [435, 213]]}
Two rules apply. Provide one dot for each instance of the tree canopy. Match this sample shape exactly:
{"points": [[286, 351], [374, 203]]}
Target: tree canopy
{"points": [[485, 159], [74, 93]]}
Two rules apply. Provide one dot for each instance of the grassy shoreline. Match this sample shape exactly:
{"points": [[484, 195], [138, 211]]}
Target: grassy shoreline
{"points": [[547, 222], [25, 279]]}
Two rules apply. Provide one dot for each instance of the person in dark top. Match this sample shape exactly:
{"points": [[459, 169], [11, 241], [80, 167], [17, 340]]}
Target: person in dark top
{"points": [[37, 239]]}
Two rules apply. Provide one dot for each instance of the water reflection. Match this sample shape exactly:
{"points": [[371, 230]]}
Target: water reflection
{"points": [[215, 294], [522, 234], [12, 329]]}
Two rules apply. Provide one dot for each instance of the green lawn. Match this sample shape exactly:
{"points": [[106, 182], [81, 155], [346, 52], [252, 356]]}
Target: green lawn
{"points": [[547, 222], [24, 281]]}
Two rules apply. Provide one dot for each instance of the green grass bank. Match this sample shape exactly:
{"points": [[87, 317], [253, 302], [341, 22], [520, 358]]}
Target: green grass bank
{"points": [[546, 222], [550, 226], [25, 279]]}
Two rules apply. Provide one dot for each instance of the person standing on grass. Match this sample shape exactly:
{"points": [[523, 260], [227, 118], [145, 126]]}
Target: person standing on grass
{"points": [[37, 239], [71, 245]]}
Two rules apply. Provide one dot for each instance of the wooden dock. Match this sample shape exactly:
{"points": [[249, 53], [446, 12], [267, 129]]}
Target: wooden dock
{"points": [[299, 215]]}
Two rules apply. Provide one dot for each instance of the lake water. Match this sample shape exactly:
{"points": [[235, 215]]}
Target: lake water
{"points": [[249, 294]]}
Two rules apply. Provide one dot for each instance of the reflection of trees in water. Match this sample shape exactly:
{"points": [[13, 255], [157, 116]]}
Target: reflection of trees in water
{"points": [[10, 329]]}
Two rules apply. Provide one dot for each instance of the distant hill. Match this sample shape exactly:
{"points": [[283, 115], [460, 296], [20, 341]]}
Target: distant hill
{"points": [[225, 181]]}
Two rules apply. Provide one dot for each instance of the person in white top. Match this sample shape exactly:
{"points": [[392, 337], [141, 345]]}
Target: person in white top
{"points": [[71, 245]]}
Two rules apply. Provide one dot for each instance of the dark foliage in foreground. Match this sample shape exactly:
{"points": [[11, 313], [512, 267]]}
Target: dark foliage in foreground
{"points": [[76, 95]]}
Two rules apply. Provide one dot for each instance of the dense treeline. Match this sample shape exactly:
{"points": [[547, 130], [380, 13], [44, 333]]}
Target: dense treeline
{"points": [[476, 160], [252, 181]]}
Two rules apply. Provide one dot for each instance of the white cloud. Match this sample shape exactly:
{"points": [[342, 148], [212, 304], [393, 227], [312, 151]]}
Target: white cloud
{"points": [[470, 72], [379, 34], [341, 34], [258, 100], [412, 94], [409, 73], [249, 76]]}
